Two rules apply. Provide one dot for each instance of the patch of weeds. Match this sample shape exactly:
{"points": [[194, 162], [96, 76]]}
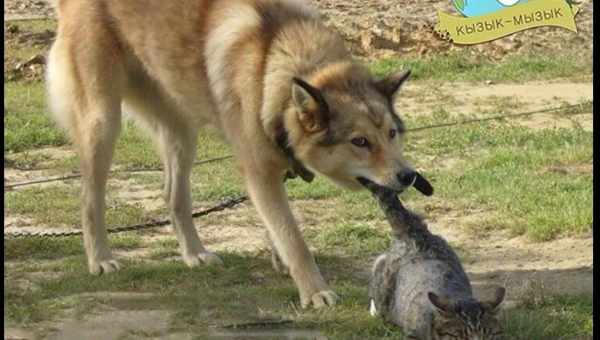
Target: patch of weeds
{"points": [[350, 319], [34, 25], [215, 181], [152, 181], [135, 150], [42, 248], [499, 105], [164, 248], [60, 205], [56, 248], [505, 172], [22, 306], [126, 241], [26, 160], [319, 188], [354, 238], [490, 221], [26, 124], [161, 254], [557, 317]]}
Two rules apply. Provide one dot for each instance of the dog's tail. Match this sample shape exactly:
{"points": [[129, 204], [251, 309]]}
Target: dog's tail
{"points": [[61, 86]]}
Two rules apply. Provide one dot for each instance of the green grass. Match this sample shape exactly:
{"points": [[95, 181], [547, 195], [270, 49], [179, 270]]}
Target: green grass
{"points": [[507, 168], [459, 66], [363, 239], [58, 248], [64, 204], [511, 169], [34, 25], [195, 299], [532, 182], [560, 317], [26, 124], [205, 289]]}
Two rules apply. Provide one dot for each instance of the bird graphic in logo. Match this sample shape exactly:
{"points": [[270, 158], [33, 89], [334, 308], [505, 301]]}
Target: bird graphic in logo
{"points": [[473, 8]]}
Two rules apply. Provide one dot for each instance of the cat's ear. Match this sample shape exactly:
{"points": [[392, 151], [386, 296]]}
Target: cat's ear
{"points": [[492, 305], [442, 305]]}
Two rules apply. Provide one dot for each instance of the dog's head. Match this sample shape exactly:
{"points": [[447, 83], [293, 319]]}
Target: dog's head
{"points": [[342, 124]]}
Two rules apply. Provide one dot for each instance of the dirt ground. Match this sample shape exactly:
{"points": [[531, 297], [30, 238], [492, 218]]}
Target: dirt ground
{"points": [[373, 29], [378, 28]]}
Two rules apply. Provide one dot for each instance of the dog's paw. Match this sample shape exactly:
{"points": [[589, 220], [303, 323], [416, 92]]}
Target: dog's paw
{"points": [[321, 299], [104, 267], [206, 257]]}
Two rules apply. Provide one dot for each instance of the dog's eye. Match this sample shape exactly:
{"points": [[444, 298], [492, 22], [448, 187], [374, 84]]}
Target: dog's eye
{"points": [[361, 142], [392, 133]]}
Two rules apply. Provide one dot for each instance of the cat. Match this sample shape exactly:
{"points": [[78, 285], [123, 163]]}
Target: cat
{"points": [[420, 285]]}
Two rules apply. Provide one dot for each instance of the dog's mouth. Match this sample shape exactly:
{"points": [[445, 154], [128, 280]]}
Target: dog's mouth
{"points": [[420, 183]]}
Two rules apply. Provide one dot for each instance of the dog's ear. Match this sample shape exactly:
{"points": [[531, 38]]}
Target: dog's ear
{"points": [[313, 112], [389, 85]]}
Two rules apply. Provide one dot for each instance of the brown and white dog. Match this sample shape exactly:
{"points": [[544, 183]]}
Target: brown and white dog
{"points": [[280, 85]]}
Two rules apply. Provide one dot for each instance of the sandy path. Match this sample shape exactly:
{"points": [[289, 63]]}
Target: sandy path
{"points": [[467, 98]]}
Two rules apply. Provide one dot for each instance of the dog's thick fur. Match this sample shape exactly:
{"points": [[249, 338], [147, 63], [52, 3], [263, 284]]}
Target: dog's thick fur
{"points": [[177, 65]]}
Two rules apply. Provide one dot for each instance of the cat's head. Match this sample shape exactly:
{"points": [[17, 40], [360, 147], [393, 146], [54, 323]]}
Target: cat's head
{"points": [[466, 319]]}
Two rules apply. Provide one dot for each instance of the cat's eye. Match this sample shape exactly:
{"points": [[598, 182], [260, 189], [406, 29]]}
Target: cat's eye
{"points": [[361, 142], [392, 133]]}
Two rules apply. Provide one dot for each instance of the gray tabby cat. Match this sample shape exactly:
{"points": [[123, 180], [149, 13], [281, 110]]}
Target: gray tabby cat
{"points": [[420, 285]]}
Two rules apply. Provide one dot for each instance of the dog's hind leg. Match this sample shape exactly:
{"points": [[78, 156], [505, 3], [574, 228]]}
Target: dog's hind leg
{"points": [[85, 97], [178, 150], [175, 137]]}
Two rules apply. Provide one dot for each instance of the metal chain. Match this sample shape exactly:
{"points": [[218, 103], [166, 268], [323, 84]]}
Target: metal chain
{"points": [[228, 204]]}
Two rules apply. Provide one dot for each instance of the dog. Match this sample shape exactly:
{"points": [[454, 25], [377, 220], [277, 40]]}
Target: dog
{"points": [[280, 85]]}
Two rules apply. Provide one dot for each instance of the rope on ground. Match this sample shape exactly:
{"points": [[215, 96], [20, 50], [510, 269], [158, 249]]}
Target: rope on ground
{"points": [[228, 204], [581, 111], [9, 187]]}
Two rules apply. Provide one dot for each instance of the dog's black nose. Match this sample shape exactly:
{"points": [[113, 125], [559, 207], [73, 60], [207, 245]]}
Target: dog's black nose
{"points": [[407, 177]]}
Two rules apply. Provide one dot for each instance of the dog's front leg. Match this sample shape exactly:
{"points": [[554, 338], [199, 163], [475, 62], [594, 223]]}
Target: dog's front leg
{"points": [[270, 199]]}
